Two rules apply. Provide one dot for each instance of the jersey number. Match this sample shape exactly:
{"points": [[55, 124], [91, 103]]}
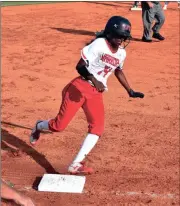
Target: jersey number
{"points": [[105, 71]]}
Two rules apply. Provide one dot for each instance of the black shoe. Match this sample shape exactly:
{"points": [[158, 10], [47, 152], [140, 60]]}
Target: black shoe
{"points": [[146, 40], [158, 36]]}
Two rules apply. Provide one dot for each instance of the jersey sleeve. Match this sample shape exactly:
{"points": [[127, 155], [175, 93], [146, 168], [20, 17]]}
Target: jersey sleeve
{"points": [[122, 60], [91, 52]]}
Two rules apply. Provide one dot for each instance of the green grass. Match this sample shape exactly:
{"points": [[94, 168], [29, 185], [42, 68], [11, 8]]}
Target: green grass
{"points": [[19, 3]]}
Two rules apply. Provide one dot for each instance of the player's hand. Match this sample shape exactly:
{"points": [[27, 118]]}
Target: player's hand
{"points": [[135, 94], [99, 86]]}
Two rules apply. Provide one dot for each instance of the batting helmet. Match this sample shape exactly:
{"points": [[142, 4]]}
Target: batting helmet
{"points": [[118, 27]]}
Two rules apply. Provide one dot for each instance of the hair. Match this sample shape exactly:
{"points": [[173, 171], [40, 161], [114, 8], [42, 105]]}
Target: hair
{"points": [[98, 35]]}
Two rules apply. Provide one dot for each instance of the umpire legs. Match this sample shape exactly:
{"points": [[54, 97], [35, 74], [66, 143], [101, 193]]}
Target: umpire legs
{"points": [[160, 19], [147, 17]]}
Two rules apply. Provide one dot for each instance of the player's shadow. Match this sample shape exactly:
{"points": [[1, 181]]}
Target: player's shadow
{"points": [[140, 40], [75, 31], [36, 183], [22, 127], [14, 145], [84, 32]]}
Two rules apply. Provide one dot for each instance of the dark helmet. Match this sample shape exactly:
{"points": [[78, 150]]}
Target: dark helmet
{"points": [[118, 27]]}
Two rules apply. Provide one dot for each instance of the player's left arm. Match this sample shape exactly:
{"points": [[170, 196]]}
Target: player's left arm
{"points": [[122, 79]]}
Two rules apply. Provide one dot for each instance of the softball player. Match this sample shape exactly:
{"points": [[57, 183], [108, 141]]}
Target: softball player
{"points": [[99, 59]]}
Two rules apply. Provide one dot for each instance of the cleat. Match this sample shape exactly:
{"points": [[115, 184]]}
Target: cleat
{"points": [[79, 168], [35, 134]]}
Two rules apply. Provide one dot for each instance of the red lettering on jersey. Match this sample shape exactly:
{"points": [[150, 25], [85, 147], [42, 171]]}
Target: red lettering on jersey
{"points": [[110, 60], [105, 71]]}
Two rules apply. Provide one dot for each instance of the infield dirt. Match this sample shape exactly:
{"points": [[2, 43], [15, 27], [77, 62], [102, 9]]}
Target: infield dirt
{"points": [[137, 159]]}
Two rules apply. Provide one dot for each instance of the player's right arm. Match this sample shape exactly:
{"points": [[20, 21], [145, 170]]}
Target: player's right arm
{"points": [[88, 55], [83, 71]]}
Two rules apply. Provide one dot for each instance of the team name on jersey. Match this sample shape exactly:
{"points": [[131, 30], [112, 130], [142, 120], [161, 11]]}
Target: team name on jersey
{"points": [[110, 60]]}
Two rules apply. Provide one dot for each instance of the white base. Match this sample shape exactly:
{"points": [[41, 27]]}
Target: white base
{"points": [[136, 9], [62, 183]]}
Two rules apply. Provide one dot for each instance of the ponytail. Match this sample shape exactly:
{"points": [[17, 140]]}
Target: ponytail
{"points": [[99, 34]]}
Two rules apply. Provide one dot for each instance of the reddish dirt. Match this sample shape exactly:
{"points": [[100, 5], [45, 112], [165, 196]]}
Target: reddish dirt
{"points": [[136, 160]]}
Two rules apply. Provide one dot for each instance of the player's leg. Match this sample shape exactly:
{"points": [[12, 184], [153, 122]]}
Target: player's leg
{"points": [[94, 110], [160, 19], [72, 100]]}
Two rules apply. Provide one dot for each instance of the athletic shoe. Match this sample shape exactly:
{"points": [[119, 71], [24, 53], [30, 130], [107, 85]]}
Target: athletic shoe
{"points": [[79, 168], [35, 134], [158, 36]]}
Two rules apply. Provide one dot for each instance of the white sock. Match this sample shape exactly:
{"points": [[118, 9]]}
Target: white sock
{"points": [[88, 144], [44, 125]]}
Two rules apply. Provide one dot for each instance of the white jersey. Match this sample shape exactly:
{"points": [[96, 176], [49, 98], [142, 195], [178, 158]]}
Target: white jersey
{"points": [[101, 61]]}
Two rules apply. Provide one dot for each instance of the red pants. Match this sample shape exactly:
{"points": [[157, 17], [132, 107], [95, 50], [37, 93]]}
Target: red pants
{"points": [[79, 93]]}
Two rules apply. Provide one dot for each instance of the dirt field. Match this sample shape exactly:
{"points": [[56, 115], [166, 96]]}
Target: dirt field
{"points": [[137, 159]]}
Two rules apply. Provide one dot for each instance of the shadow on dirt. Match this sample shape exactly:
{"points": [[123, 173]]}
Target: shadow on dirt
{"points": [[15, 125], [89, 33], [73, 31], [172, 9], [36, 183], [17, 147], [22, 127]]}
